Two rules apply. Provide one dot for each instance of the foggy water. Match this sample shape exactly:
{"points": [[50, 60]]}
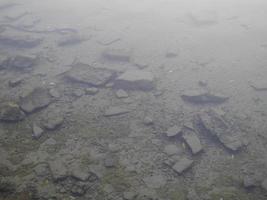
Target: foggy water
{"points": [[133, 99]]}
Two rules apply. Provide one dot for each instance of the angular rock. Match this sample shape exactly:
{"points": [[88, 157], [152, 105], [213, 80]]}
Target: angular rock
{"points": [[115, 110], [27, 41], [37, 99], [37, 131], [213, 124], [202, 97], [171, 149], [58, 170], [135, 80], [118, 55], [192, 140], [182, 165], [86, 74], [173, 131], [10, 112], [121, 94], [259, 85]]}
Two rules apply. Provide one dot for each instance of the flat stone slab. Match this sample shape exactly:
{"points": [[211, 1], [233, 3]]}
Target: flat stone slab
{"points": [[173, 131], [115, 110], [192, 140], [135, 80], [18, 41], [87, 74], [217, 127], [10, 112], [259, 85], [37, 99], [182, 165], [202, 97]]}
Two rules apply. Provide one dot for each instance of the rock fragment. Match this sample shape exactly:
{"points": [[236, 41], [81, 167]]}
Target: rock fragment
{"points": [[70, 40], [37, 99], [192, 140], [86, 74], [148, 120], [171, 149], [15, 82], [53, 121], [135, 80], [10, 112], [213, 124], [174, 131], [37, 131], [115, 110], [182, 165], [91, 91], [121, 94], [58, 169], [259, 85], [203, 97]]}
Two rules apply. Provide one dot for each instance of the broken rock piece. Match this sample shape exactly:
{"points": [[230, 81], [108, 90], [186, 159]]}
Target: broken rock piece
{"points": [[182, 165], [37, 99], [10, 112], [202, 97], [135, 80], [192, 140], [260, 85], [213, 124], [87, 74], [173, 131]]}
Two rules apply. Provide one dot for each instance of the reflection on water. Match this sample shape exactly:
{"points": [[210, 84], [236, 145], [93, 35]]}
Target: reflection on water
{"points": [[129, 99]]}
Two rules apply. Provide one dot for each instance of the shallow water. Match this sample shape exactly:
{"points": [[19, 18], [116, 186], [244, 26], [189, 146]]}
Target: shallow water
{"points": [[129, 99]]}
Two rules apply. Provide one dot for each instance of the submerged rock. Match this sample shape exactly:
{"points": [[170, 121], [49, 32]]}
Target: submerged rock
{"points": [[21, 62], [155, 181], [37, 99], [52, 121], [115, 110], [121, 94], [213, 124], [119, 55], [15, 82], [58, 169], [174, 131], [135, 80], [10, 112], [202, 97], [192, 140], [171, 149], [264, 185], [37, 131], [71, 40], [260, 85], [182, 165], [27, 41], [86, 74]]}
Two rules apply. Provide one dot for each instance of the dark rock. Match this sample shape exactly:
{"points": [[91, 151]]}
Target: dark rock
{"points": [[6, 187], [192, 140], [121, 94], [37, 131], [86, 74], [135, 80], [118, 55], [249, 182], [202, 97], [174, 131], [115, 110], [217, 127], [37, 99], [10, 112], [182, 165], [21, 62], [9, 39]]}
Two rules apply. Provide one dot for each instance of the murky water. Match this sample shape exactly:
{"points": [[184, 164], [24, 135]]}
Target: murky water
{"points": [[133, 99]]}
